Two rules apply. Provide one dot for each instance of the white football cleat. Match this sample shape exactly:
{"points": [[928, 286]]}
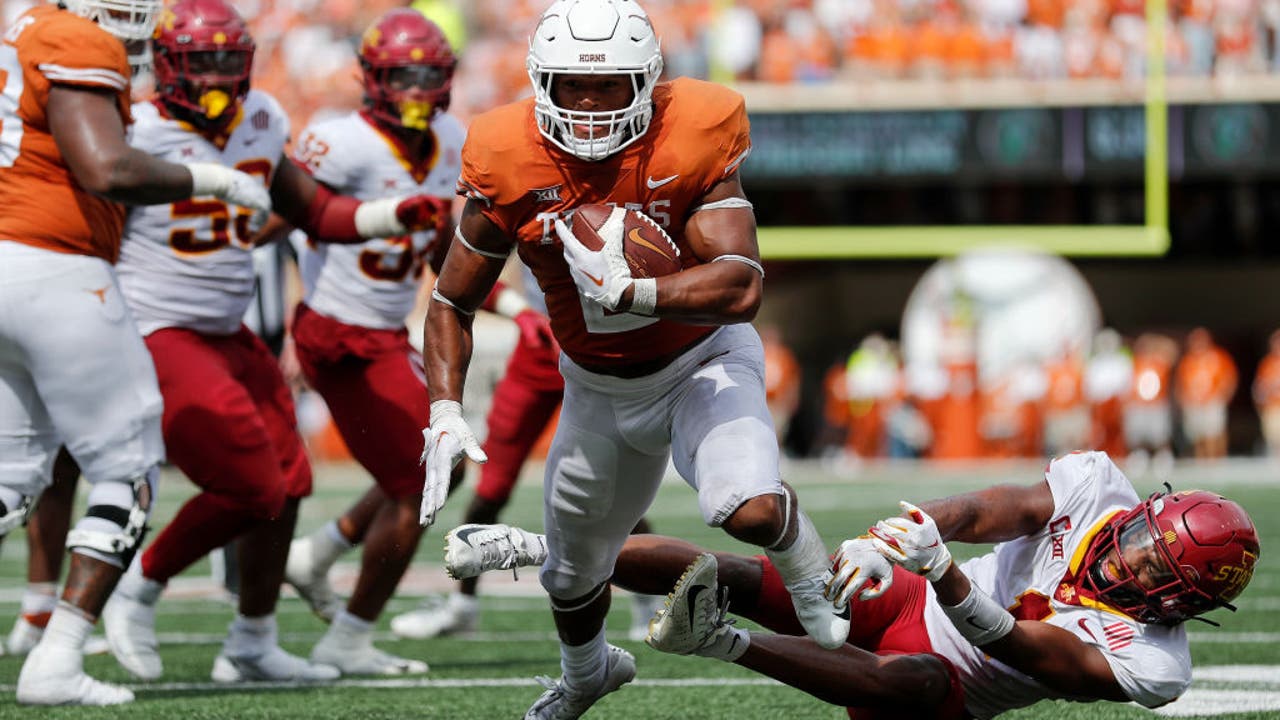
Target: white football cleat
{"points": [[272, 664], [692, 616], [643, 608], [54, 675], [563, 703], [473, 549], [822, 621], [438, 616], [362, 658], [130, 625], [311, 580]]}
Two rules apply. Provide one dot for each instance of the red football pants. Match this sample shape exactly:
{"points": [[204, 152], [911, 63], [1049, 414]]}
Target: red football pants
{"points": [[229, 425], [372, 382]]}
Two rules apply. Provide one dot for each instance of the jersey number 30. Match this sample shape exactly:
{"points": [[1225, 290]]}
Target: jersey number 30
{"points": [[192, 242]]}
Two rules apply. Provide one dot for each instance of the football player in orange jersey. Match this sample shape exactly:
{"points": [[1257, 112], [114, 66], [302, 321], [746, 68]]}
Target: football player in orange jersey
{"points": [[65, 170], [656, 370]]}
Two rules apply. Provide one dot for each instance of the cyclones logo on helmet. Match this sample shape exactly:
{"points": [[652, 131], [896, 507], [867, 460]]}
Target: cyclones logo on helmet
{"points": [[1207, 545], [408, 69], [203, 57]]}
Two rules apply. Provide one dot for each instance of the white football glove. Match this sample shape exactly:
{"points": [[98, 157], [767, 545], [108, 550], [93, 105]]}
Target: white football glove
{"points": [[447, 440], [859, 570], [913, 542], [601, 275], [230, 185]]}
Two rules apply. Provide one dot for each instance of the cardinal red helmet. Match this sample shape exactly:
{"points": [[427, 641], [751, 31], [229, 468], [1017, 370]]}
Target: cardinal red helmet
{"points": [[203, 57], [408, 70], [1173, 557]]}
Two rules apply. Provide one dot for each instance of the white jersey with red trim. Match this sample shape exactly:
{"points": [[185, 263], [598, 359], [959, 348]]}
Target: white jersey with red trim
{"points": [[189, 264], [373, 284], [1151, 662]]}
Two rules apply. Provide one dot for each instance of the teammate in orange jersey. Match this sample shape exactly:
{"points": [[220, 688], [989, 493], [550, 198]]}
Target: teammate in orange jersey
{"points": [[1204, 384], [654, 368], [65, 169], [1266, 395], [187, 274], [781, 379]]}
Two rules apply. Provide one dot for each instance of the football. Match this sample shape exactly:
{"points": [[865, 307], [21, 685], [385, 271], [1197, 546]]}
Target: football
{"points": [[649, 250]]}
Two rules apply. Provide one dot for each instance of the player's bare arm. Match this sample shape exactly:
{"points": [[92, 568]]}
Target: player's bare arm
{"points": [[1047, 653], [994, 514], [470, 269], [723, 289], [86, 124]]}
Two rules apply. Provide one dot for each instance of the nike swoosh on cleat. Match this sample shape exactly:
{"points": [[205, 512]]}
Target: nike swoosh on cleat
{"points": [[655, 184], [692, 600], [844, 614], [464, 533]]}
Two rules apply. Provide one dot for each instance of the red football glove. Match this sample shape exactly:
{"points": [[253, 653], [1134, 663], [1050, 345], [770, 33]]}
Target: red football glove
{"points": [[424, 212], [535, 329]]}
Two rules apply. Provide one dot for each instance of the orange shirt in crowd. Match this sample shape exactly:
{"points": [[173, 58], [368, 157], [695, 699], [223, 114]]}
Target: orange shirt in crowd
{"points": [[1206, 377], [1266, 384]]}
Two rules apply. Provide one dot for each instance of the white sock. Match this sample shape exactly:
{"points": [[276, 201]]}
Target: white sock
{"points": [[136, 586], [728, 647], [584, 665], [68, 627], [463, 602], [328, 544], [39, 598], [352, 624], [805, 558], [250, 635]]}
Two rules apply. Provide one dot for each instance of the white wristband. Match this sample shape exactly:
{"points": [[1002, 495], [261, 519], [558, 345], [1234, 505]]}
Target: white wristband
{"points": [[207, 178], [510, 303], [979, 618], [644, 296], [377, 218], [440, 408]]}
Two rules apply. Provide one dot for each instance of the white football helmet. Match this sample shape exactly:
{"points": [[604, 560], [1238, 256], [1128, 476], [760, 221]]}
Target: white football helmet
{"points": [[604, 37], [126, 19]]}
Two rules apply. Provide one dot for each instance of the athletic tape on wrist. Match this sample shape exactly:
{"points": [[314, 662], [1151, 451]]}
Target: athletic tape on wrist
{"points": [[979, 618], [644, 297]]}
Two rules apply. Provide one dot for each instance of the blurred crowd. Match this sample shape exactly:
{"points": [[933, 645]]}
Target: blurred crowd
{"points": [[306, 48], [1147, 399]]}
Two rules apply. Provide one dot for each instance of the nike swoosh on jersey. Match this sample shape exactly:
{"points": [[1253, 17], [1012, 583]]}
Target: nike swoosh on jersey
{"points": [[655, 184], [692, 600]]}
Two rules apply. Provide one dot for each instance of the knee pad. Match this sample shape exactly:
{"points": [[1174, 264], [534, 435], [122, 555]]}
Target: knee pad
{"points": [[12, 518], [115, 524]]}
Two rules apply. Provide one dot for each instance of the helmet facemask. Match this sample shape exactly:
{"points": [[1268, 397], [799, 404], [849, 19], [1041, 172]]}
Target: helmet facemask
{"points": [[210, 85], [407, 96], [126, 19], [594, 37], [1132, 567]]}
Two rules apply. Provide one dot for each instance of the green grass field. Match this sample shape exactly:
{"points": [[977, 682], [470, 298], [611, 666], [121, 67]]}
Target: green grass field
{"points": [[490, 674]]}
